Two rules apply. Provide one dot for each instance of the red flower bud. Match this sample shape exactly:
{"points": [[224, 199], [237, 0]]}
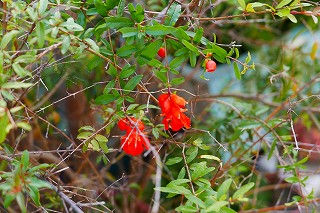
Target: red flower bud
{"points": [[211, 66], [162, 52]]}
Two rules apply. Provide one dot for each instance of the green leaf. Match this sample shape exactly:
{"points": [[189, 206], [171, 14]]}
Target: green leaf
{"points": [[224, 189], [177, 61], [43, 4], [173, 160], [110, 4], [20, 71], [190, 46], [4, 121], [39, 167], [236, 70], [101, 7], [210, 157], [126, 50], [65, 44], [8, 198], [16, 85], [173, 14], [273, 146], [243, 189], [25, 159], [109, 87], [118, 22], [105, 99], [127, 71], [177, 81], [137, 13], [158, 30], [248, 124], [242, 4], [216, 206], [112, 70], [193, 59], [71, 25], [40, 34], [292, 18], [35, 195], [195, 200], [132, 83], [26, 59], [21, 202], [192, 153], [24, 125], [1, 62], [120, 8], [283, 3], [198, 35], [180, 34], [129, 32], [8, 37], [151, 50]]}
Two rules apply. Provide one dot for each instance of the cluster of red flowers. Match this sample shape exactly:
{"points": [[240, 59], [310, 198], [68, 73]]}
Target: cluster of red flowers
{"points": [[172, 106], [134, 141]]}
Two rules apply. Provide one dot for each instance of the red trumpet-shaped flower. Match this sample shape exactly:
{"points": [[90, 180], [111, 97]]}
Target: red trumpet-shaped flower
{"points": [[134, 141], [173, 108]]}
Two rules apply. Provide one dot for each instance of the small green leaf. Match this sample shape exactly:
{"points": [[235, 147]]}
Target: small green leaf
{"points": [[105, 99], [43, 4], [21, 202], [92, 44], [174, 160], [118, 22], [216, 206], [126, 50], [173, 14], [190, 46], [132, 83], [283, 3], [25, 159], [242, 190], [236, 70], [4, 121], [65, 44], [177, 81], [8, 37], [120, 8], [35, 195], [129, 32], [195, 200], [137, 13], [242, 4], [20, 71], [127, 71], [192, 153], [224, 189], [158, 30], [16, 85], [24, 125], [210, 157], [40, 33]]}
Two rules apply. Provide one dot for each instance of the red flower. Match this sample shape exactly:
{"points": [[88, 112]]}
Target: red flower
{"points": [[162, 52], [211, 66], [173, 108], [134, 141]]}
